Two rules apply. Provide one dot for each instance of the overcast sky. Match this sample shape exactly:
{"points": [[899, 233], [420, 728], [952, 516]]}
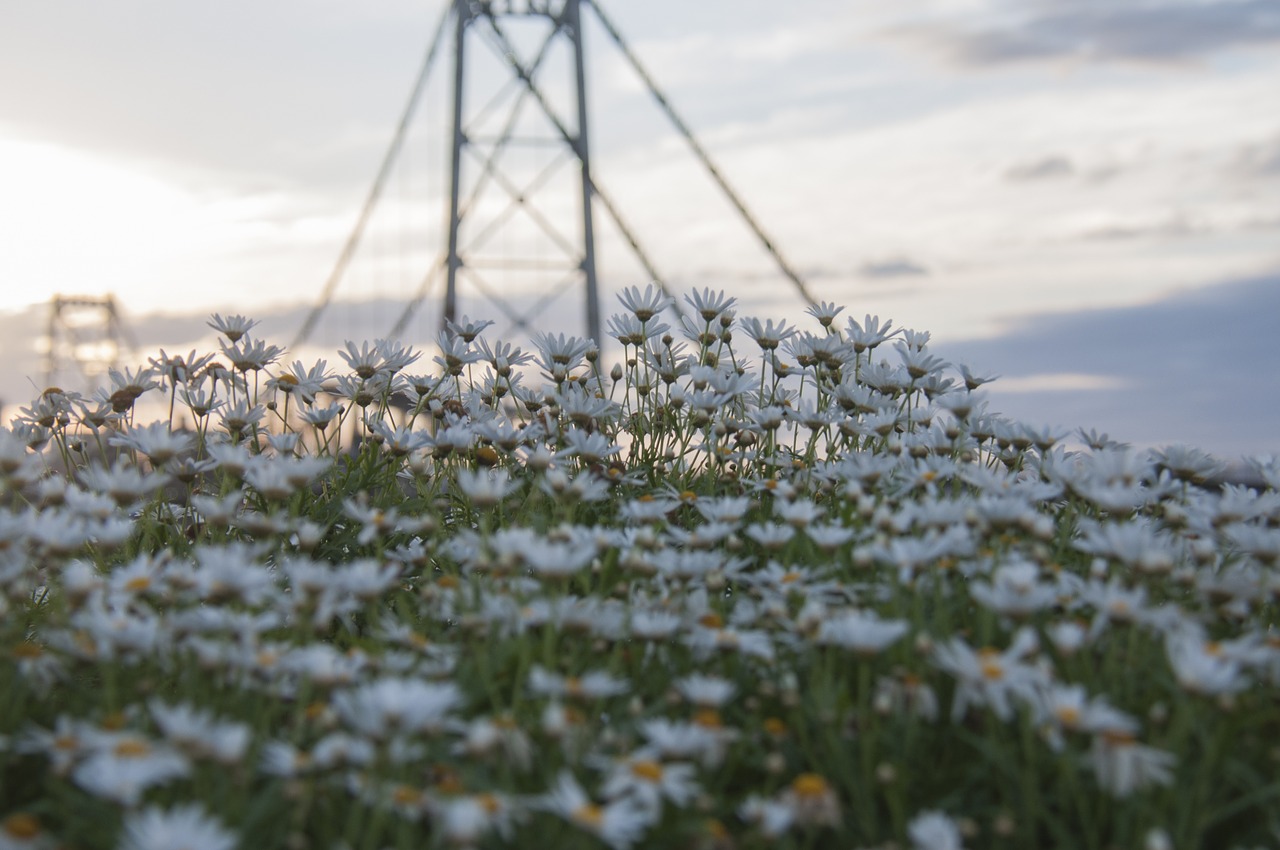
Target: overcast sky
{"points": [[1082, 196]]}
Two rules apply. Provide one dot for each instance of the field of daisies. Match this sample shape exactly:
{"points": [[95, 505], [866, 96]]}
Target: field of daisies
{"points": [[751, 586]]}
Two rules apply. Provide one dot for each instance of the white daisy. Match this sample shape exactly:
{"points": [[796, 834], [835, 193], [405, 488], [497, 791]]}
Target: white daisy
{"points": [[1123, 766], [619, 823], [706, 691], [388, 706], [595, 684], [124, 765], [199, 733], [862, 632], [933, 830], [464, 820], [187, 826], [648, 781]]}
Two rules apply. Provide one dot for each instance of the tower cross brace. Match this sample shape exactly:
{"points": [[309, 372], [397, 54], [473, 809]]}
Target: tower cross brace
{"points": [[85, 334], [472, 20]]}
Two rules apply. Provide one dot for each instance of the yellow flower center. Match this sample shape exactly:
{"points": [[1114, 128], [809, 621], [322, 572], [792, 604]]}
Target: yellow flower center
{"points": [[990, 664], [1118, 738], [406, 795], [648, 770], [138, 584], [1068, 715], [86, 644], [589, 815], [810, 785], [775, 727], [21, 826], [27, 650], [708, 718], [132, 748], [449, 784], [711, 620]]}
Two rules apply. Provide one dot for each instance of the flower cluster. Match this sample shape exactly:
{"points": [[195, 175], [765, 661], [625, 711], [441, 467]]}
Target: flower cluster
{"points": [[751, 586]]}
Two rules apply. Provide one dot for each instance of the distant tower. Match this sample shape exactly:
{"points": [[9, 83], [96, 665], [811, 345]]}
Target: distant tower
{"points": [[509, 246], [85, 338]]}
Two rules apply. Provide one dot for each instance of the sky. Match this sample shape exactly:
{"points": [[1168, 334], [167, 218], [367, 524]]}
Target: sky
{"points": [[1081, 196]]}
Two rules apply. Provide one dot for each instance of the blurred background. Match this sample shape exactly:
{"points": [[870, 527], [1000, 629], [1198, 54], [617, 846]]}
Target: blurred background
{"points": [[1080, 196]]}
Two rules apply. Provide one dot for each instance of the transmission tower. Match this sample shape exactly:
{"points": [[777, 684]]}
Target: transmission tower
{"points": [[487, 134], [520, 230], [85, 336]]}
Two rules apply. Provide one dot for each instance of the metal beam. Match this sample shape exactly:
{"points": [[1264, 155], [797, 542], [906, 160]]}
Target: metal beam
{"points": [[573, 19], [462, 14]]}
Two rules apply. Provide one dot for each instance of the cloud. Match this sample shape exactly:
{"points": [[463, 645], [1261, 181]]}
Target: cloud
{"points": [[1044, 168], [1058, 167], [1150, 32], [1174, 225], [1061, 381], [261, 96], [1198, 367], [1171, 226], [1259, 160], [892, 268]]}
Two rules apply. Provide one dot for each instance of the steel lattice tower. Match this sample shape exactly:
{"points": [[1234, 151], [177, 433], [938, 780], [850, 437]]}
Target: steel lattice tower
{"points": [[485, 137], [491, 197], [85, 335]]}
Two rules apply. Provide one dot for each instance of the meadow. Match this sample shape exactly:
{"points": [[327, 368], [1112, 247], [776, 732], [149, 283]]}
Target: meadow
{"points": [[751, 586]]}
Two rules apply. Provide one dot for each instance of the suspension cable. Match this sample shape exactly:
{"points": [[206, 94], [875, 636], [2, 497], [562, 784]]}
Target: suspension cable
{"points": [[700, 152], [384, 171]]}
